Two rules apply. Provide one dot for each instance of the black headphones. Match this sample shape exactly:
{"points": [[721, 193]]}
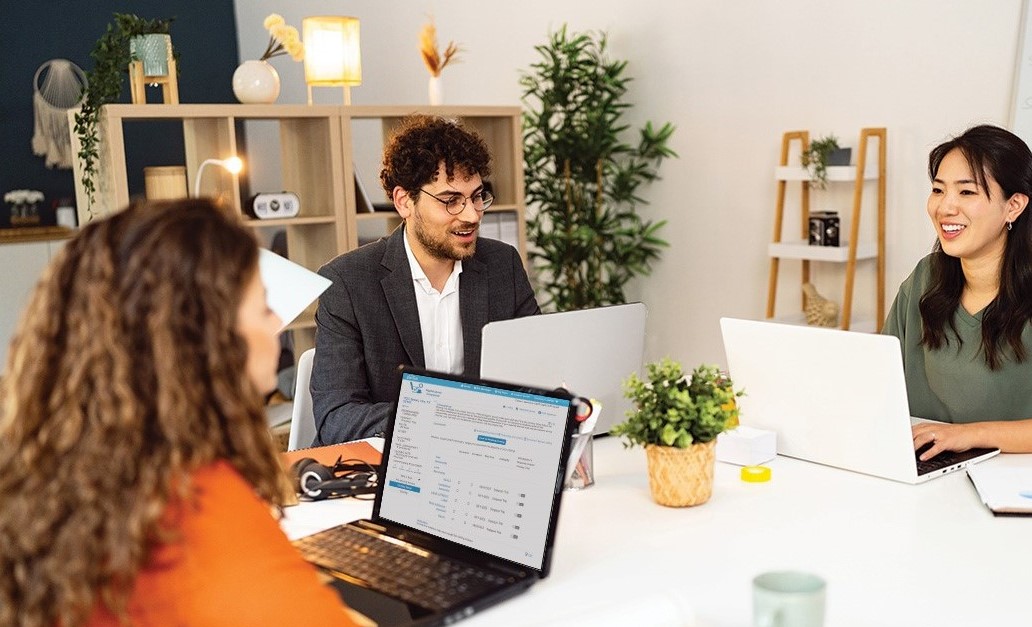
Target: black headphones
{"points": [[347, 477]]}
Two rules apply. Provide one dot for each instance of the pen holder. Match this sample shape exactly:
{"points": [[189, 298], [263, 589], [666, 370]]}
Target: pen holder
{"points": [[580, 471]]}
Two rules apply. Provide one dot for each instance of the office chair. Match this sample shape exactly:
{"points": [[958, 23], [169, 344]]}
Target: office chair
{"points": [[302, 419]]}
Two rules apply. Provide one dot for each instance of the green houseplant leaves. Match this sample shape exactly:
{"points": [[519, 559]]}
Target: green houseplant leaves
{"points": [[815, 159], [111, 59], [671, 409], [582, 178]]}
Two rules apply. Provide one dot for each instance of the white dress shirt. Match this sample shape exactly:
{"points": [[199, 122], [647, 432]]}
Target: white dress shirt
{"points": [[439, 318]]}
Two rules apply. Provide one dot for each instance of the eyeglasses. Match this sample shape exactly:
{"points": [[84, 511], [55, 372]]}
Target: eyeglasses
{"points": [[455, 203]]}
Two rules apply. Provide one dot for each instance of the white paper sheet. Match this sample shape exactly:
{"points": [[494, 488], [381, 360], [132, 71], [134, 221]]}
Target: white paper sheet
{"points": [[290, 287]]}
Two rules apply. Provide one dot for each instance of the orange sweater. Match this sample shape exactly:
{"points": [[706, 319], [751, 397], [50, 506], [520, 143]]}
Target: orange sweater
{"points": [[233, 566]]}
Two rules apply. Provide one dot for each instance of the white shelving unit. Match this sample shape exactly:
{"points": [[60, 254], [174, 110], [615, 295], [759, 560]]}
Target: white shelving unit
{"points": [[800, 249], [836, 173], [852, 250]]}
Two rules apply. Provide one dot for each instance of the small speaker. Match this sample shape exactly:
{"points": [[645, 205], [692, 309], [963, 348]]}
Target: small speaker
{"points": [[269, 206]]}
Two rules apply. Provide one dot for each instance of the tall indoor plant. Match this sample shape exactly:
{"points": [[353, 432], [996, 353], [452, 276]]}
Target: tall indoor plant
{"points": [[582, 179], [111, 57], [677, 418]]}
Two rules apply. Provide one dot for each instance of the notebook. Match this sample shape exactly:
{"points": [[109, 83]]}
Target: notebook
{"points": [[591, 351], [1005, 489], [833, 397], [466, 506]]}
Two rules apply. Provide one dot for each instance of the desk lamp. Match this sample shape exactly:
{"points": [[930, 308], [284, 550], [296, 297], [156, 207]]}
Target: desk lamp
{"points": [[332, 54], [232, 164]]}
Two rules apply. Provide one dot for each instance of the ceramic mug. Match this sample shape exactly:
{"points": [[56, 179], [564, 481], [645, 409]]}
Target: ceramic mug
{"points": [[788, 599]]}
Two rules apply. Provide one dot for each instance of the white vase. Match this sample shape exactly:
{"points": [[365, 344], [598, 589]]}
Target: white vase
{"points": [[256, 82], [433, 89]]}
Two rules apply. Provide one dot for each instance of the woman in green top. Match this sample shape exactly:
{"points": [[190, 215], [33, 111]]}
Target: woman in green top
{"points": [[963, 316]]}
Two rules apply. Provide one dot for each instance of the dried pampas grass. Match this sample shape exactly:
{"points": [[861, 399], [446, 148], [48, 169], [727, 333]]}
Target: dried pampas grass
{"points": [[434, 60]]}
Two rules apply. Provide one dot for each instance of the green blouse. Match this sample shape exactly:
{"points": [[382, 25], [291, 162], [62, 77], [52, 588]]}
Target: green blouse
{"points": [[953, 383]]}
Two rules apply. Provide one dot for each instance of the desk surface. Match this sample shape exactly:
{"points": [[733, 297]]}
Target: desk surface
{"points": [[878, 544]]}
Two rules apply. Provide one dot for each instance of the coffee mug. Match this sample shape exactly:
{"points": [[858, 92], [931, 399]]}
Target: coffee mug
{"points": [[788, 599]]}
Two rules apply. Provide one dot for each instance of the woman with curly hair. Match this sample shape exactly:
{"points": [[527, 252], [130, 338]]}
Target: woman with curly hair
{"points": [[136, 468]]}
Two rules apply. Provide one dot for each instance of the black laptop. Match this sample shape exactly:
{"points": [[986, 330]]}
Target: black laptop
{"points": [[466, 504]]}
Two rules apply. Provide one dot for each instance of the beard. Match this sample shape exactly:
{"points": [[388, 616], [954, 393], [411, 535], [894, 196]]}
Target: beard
{"points": [[438, 246]]}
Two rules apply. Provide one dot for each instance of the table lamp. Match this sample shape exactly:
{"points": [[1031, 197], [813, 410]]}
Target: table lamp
{"points": [[233, 164], [332, 55]]}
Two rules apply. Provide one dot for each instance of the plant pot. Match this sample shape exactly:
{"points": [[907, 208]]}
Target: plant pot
{"points": [[840, 156], [681, 477], [256, 82], [153, 51]]}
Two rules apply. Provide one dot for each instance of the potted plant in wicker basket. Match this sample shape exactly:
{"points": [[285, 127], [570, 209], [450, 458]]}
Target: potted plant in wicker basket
{"points": [[677, 419]]}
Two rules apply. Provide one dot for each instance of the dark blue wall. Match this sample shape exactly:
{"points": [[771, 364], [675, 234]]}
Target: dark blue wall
{"points": [[35, 31]]}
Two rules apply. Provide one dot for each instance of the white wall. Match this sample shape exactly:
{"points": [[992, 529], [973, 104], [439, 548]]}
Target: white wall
{"points": [[732, 76]]}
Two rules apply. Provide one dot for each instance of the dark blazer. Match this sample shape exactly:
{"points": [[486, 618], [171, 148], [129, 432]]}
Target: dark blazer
{"points": [[367, 325]]}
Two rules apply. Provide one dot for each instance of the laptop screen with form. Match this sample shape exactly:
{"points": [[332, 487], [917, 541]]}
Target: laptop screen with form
{"points": [[476, 464]]}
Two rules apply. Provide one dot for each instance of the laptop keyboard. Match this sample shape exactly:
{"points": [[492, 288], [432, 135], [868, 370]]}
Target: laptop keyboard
{"points": [[944, 459], [404, 572]]}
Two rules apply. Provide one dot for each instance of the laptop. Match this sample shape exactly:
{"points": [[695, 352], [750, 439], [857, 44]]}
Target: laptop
{"points": [[466, 504], [591, 351], [833, 397]]}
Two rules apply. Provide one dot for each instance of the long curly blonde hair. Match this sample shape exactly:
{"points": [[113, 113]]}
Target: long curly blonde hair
{"points": [[126, 374]]}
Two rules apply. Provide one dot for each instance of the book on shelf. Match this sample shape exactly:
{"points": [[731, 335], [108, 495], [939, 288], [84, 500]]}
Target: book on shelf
{"points": [[363, 204], [502, 226]]}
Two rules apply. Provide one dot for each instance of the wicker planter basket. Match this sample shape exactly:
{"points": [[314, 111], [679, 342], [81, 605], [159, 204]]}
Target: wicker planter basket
{"points": [[681, 477]]}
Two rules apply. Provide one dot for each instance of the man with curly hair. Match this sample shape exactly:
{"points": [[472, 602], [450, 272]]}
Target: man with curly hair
{"points": [[421, 295]]}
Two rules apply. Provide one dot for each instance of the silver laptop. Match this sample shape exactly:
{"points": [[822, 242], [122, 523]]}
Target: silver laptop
{"points": [[833, 397], [590, 351]]}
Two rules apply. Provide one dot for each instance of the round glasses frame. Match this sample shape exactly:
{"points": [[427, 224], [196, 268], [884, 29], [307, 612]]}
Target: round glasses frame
{"points": [[481, 201]]}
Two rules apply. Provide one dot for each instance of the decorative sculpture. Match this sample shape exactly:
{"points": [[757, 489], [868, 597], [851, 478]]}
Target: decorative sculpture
{"points": [[819, 311]]}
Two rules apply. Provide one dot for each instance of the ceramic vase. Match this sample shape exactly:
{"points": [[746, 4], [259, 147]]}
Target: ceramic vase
{"points": [[434, 91], [681, 477], [256, 82], [153, 51]]}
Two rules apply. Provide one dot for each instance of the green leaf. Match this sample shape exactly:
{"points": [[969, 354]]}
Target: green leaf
{"points": [[582, 176]]}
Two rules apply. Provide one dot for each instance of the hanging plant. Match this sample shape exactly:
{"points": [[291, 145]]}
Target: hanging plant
{"points": [[111, 59], [582, 180], [815, 159]]}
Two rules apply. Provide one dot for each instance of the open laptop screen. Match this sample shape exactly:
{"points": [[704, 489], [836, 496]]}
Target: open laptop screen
{"points": [[475, 463], [590, 351]]}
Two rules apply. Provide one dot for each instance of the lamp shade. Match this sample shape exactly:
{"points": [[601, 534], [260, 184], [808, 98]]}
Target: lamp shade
{"points": [[332, 55]]}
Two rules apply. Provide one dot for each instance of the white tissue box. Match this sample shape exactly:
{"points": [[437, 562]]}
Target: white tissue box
{"points": [[746, 446]]}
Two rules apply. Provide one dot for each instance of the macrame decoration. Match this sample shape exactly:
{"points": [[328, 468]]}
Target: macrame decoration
{"points": [[59, 85]]}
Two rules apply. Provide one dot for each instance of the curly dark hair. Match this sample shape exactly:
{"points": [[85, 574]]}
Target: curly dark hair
{"points": [[416, 150], [124, 377]]}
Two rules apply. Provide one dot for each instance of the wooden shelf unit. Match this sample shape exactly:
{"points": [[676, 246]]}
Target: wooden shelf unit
{"points": [[853, 249], [316, 162]]}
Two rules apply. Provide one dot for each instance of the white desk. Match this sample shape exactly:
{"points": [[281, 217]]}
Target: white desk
{"points": [[876, 542]]}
